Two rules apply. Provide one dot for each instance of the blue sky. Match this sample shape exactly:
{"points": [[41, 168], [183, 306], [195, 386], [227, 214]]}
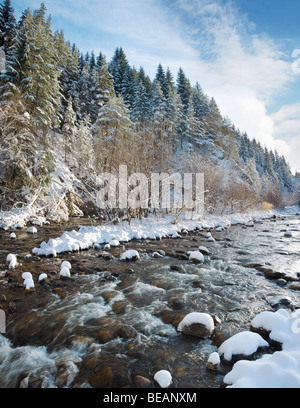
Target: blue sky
{"points": [[240, 51]]}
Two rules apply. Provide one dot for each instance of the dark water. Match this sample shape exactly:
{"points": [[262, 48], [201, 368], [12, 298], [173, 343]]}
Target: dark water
{"points": [[119, 325]]}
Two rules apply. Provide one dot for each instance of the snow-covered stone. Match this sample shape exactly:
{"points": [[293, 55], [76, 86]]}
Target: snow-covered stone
{"points": [[32, 230], [42, 277], [163, 378], [65, 272], [29, 283], [66, 264], [213, 361], [245, 343], [196, 256], [130, 255], [114, 243], [13, 235], [12, 259], [197, 324], [26, 275], [204, 250], [288, 234]]}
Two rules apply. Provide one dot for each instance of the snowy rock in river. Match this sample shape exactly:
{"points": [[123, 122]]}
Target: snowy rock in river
{"points": [[163, 378], [66, 264], [197, 257], [13, 235], [213, 361], [242, 344], [130, 255], [32, 230], [12, 259], [26, 275], [65, 272], [197, 324], [28, 283], [42, 277], [204, 250]]}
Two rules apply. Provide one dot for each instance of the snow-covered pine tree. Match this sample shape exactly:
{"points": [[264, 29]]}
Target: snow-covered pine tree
{"points": [[38, 70], [84, 93], [161, 78], [8, 26], [128, 87], [68, 128], [141, 110], [117, 68], [184, 90], [102, 88]]}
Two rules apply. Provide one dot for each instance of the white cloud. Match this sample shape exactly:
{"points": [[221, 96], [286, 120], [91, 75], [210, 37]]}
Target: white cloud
{"points": [[244, 73]]}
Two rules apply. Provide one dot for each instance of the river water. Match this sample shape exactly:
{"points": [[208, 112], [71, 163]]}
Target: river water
{"points": [[116, 322]]}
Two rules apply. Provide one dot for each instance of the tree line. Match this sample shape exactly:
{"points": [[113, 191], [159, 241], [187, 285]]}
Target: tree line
{"points": [[100, 114]]}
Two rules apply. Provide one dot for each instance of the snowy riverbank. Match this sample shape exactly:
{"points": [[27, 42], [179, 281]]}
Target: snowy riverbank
{"points": [[151, 228]]}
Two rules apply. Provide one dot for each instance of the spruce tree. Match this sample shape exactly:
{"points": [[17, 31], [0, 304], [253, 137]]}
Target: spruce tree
{"points": [[8, 26], [183, 89]]}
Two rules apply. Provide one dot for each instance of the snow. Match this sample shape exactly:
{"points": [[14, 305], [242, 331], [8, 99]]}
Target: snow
{"points": [[26, 275], [29, 284], [12, 259], [130, 254], [42, 277], [13, 235], [32, 230], [66, 264], [65, 272], [278, 370], [114, 243], [246, 343], [201, 318], [196, 256], [164, 378], [204, 250], [214, 358]]}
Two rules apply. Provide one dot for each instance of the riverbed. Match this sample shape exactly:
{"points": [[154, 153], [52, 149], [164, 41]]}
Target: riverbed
{"points": [[113, 324]]}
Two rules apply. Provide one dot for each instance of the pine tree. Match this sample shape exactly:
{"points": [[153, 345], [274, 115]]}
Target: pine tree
{"points": [[69, 128], [161, 79], [128, 87], [102, 90], [38, 69], [184, 90], [8, 26], [117, 68], [141, 110]]}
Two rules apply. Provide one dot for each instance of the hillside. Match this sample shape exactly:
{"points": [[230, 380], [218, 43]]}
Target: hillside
{"points": [[67, 118]]}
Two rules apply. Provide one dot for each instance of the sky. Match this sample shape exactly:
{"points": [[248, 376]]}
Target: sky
{"points": [[244, 53]]}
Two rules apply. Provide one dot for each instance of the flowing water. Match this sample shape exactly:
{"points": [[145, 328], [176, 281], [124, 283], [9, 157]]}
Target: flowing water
{"points": [[116, 323]]}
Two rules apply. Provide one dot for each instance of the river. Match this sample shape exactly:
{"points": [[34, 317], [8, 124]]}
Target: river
{"points": [[115, 321]]}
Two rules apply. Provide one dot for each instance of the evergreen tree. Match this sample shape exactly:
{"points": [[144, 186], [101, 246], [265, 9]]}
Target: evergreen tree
{"points": [[161, 79], [69, 128], [8, 26], [128, 87], [141, 110], [38, 75], [184, 90], [117, 68], [102, 90]]}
